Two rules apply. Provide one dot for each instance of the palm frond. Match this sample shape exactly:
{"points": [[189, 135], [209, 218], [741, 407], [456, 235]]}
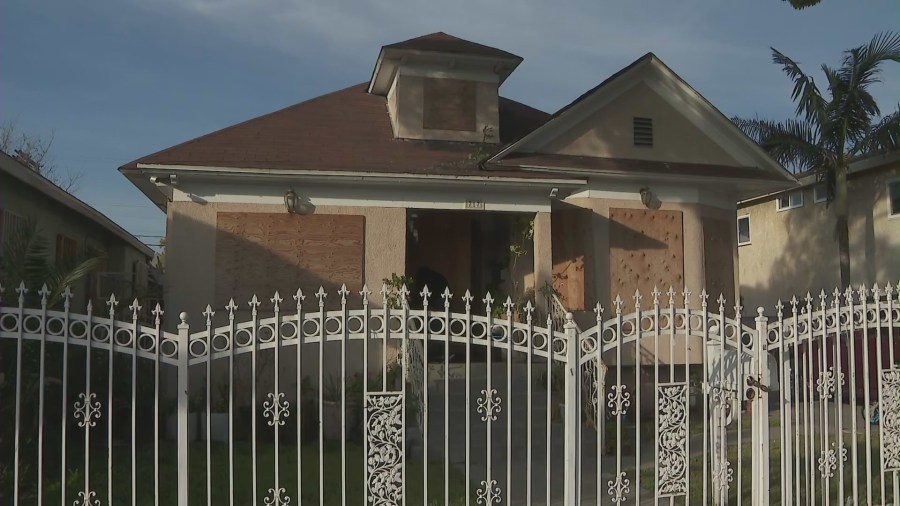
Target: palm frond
{"points": [[793, 143], [883, 136], [810, 103]]}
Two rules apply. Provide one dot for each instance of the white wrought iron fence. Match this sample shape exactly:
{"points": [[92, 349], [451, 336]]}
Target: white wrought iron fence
{"points": [[303, 405]]}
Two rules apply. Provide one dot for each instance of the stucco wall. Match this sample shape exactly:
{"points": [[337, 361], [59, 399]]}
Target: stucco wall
{"points": [[608, 133], [794, 251]]}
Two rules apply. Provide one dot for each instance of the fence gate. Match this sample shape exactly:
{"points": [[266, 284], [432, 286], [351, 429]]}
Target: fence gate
{"points": [[362, 398]]}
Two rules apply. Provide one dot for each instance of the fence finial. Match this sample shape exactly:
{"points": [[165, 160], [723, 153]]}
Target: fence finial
{"points": [[425, 293], [44, 292], [822, 298], [90, 307], [21, 291], [808, 299], [876, 292], [704, 298], [888, 289], [848, 295], [343, 293], [598, 310], [655, 293], [299, 297], [836, 297], [364, 293], [509, 305], [686, 294], [721, 302], [862, 291], [404, 296], [321, 296], [570, 319], [488, 300], [447, 296], [183, 316], [67, 297], [254, 303], [134, 307], [637, 299], [276, 300], [231, 307], [467, 297], [157, 313], [778, 309], [618, 302], [529, 309], [208, 313]]}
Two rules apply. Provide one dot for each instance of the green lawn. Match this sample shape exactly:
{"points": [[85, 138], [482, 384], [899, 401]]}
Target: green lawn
{"points": [[243, 476], [816, 485]]}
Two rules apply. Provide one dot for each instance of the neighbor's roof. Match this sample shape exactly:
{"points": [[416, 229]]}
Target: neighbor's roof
{"points": [[440, 42], [347, 130], [32, 178]]}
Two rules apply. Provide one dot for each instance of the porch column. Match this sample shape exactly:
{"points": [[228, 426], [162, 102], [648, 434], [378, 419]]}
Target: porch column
{"points": [[543, 257]]}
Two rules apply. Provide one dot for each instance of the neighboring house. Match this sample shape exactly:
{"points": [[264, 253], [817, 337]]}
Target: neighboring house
{"points": [[426, 170], [787, 243], [68, 225]]}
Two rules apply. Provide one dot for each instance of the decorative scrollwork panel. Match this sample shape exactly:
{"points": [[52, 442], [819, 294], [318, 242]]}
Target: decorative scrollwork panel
{"points": [[384, 460], [672, 439], [890, 419]]}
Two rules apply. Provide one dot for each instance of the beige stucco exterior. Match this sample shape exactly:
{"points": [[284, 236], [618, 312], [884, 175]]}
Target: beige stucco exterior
{"points": [[794, 251], [607, 132]]}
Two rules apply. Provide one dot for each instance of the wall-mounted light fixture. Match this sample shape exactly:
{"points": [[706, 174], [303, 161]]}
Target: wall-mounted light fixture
{"points": [[294, 204], [649, 199]]}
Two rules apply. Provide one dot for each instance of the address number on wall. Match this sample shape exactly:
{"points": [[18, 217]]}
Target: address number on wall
{"points": [[475, 204]]}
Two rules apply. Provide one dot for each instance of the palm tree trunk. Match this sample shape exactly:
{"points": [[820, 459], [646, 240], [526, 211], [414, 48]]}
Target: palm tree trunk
{"points": [[841, 230]]}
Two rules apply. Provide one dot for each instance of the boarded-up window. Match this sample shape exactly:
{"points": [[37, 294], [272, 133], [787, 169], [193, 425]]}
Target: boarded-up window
{"points": [[449, 104], [718, 259], [646, 250], [572, 256], [258, 253]]}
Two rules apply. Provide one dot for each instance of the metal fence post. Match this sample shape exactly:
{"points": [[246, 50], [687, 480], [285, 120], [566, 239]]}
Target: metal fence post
{"points": [[760, 414], [183, 407], [572, 418]]}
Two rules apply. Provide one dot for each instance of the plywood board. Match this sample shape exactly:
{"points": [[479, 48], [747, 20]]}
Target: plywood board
{"points": [[646, 250], [718, 258], [263, 252], [449, 104], [573, 258]]}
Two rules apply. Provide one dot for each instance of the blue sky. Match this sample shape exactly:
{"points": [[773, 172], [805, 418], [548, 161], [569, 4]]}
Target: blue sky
{"points": [[113, 80]]}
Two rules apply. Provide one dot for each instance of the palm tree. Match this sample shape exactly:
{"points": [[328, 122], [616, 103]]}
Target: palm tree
{"points": [[830, 130]]}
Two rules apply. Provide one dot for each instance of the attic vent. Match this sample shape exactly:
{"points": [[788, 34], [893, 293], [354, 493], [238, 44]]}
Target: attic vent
{"points": [[643, 132]]}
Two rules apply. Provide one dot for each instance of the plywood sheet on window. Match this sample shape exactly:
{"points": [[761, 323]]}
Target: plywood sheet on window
{"points": [[263, 252], [646, 250], [572, 256], [718, 258], [449, 104]]}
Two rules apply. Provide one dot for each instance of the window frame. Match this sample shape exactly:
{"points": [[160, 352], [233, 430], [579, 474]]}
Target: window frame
{"points": [[887, 187], [738, 230], [789, 206], [816, 199]]}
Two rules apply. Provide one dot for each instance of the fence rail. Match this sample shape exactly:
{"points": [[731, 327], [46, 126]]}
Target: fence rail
{"points": [[662, 400]]}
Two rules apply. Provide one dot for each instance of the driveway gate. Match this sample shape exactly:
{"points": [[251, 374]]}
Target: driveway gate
{"points": [[310, 401]]}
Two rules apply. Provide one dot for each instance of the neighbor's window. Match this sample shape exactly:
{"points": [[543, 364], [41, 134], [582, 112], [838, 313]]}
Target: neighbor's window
{"points": [[9, 223], [820, 193], [643, 132], [791, 200], [743, 230], [894, 198], [65, 247]]}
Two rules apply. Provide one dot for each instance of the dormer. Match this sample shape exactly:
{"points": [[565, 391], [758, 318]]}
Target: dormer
{"points": [[440, 87]]}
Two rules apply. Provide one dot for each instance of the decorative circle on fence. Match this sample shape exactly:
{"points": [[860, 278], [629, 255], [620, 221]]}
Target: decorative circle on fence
{"points": [[415, 324], [9, 322], [55, 326], [355, 324], [772, 336], [871, 316], [103, 332], [198, 347], [479, 329], [291, 332], [588, 344], [333, 325], [628, 328], [32, 324], [314, 324], [243, 333], [608, 336], [117, 337], [696, 322], [395, 323], [168, 348], [146, 342], [457, 327], [223, 340], [559, 344], [539, 341], [664, 322], [376, 324], [265, 333], [437, 325], [498, 333], [78, 329], [519, 336], [647, 323]]}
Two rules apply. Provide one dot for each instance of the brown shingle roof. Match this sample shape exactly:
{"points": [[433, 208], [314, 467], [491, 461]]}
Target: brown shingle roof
{"points": [[347, 130], [444, 43]]}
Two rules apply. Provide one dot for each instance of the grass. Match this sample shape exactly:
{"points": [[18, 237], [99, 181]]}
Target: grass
{"points": [[243, 476], [816, 485]]}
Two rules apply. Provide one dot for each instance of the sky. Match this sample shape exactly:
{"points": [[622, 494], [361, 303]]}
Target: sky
{"points": [[112, 80]]}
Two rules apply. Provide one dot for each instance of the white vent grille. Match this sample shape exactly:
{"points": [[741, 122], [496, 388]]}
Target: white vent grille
{"points": [[643, 131]]}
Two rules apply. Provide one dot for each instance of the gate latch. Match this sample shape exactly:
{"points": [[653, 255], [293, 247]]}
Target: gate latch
{"points": [[754, 382]]}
